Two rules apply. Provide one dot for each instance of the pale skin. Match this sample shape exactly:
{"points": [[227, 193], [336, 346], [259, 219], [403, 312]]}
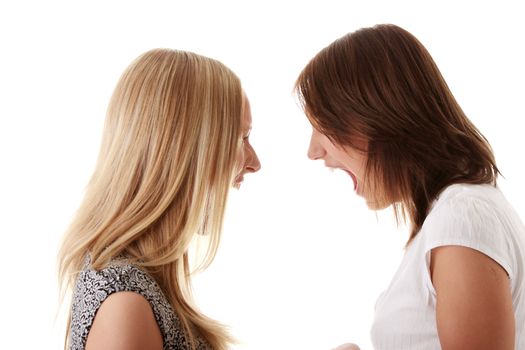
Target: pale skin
{"points": [[247, 159], [125, 320], [473, 297]]}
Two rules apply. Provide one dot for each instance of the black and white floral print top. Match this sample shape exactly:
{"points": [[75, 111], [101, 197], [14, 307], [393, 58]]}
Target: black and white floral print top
{"points": [[93, 287]]}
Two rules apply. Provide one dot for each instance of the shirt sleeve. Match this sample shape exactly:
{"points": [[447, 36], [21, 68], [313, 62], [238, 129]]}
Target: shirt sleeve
{"points": [[469, 222]]}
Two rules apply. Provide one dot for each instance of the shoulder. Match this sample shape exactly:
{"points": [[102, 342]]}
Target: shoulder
{"points": [[466, 208], [116, 284], [125, 320], [117, 276], [470, 266], [472, 216], [465, 195]]}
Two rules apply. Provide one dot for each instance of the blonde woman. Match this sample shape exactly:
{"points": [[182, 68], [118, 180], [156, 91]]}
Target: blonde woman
{"points": [[175, 141]]}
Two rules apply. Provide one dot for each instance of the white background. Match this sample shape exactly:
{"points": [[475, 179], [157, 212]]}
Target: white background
{"points": [[302, 259]]}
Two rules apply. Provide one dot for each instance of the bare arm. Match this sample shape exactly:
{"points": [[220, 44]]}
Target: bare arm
{"points": [[125, 320], [474, 304]]}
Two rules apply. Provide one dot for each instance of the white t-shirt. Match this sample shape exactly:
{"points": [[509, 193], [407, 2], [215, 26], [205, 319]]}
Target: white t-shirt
{"points": [[474, 216]]}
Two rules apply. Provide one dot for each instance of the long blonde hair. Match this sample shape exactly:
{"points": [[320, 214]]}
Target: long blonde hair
{"points": [[165, 167]]}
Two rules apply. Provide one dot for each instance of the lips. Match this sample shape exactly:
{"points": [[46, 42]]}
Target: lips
{"points": [[238, 180]]}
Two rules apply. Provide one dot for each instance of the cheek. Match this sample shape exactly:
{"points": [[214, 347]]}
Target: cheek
{"points": [[360, 167], [331, 151], [354, 161]]}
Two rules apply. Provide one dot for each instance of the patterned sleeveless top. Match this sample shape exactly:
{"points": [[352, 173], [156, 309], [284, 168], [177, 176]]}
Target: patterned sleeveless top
{"points": [[93, 287]]}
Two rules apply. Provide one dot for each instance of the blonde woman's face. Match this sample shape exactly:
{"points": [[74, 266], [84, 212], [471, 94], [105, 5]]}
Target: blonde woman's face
{"points": [[247, 160], [349, 160]]}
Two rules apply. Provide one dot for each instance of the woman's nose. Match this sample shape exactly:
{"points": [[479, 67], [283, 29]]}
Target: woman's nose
{"points": [[253, 165], [315, 150]]}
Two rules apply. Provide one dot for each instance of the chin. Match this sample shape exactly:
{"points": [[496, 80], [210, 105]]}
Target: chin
{"points": [[376, 205]]}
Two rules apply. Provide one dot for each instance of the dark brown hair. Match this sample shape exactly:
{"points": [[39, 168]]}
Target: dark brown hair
{"points": [[381, 85]]}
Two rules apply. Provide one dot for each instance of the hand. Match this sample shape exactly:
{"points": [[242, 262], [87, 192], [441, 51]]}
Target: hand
{"points": [[347, 346]]}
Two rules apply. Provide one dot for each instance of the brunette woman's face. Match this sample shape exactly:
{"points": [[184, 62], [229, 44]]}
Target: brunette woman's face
{"points": [[247, 160], [349, 160]]}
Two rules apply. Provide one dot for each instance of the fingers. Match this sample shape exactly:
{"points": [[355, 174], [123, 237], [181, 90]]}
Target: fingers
{"points": [[347, 346]]}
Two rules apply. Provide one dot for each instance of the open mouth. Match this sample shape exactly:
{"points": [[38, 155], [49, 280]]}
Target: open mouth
{"points": [[354, 178]]}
